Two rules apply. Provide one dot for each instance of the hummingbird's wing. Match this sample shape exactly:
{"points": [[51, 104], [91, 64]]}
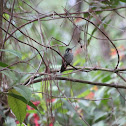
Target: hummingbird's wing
{"points": [[68, 57], [64, 63], [63, 67]]}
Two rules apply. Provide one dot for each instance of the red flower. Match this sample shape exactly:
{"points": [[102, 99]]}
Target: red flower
{"points": [[35, 116]]}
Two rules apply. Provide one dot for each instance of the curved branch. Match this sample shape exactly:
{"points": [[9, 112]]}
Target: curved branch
{"points": [[80, 81], [79, 68], [89, 69], [99, 30]]}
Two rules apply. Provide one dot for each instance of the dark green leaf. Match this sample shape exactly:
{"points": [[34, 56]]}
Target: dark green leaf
{"points": [[3, 64], [32, 105], [85, 93], [106, 78], [86, 15], [18, 107], [23, 100], [24, 91], [12, 52], [123, 1]]}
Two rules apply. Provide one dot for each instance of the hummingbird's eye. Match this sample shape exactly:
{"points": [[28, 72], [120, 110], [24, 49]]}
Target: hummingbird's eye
{"points": [[67, 51]]}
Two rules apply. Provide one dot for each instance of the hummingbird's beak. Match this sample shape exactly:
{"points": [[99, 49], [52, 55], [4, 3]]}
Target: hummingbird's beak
{"points": [[73, 47]]}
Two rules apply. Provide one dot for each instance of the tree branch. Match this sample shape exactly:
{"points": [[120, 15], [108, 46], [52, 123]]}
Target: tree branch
{"points": [[114, 85]]}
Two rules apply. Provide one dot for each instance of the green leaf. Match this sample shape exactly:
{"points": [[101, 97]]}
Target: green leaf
{"points": [[123, 1], [100, 123], [95, 29], [3, 64], [77, 62], [7, 16], [12, 52], [24, 91], [111, 3], [57, 124], [18, 107], [32, 105], [106, 24], [10, 74], [57, 105], [106, 78], [115, 2], [63, 111], [21, 125], [84, 94], [19, 97], [71, 92], [31, 111], [99, 115], [121, 97], [86, 15], [100, 93]]}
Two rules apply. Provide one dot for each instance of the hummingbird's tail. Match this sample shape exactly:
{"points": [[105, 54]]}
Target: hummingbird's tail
{"points": [[63, 67]]}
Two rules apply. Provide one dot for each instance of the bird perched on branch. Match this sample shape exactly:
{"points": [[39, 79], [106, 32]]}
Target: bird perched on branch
{"points": [[67, 59]]}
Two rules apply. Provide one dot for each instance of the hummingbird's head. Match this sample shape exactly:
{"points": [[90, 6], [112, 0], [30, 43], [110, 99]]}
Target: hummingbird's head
{"points": [[68, 50]]}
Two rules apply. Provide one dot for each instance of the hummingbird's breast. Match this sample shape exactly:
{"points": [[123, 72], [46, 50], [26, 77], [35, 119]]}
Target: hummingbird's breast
{"points": [[68, 57]]}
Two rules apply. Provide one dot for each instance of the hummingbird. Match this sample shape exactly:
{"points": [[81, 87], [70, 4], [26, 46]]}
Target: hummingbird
{"points": [[67, 59]]}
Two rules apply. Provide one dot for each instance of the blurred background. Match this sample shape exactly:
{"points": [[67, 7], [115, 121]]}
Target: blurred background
{"points": [[33, 30]]}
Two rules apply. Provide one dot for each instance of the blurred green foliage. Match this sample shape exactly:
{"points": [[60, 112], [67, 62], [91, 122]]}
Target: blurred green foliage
{"points": [[107, 107]]}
